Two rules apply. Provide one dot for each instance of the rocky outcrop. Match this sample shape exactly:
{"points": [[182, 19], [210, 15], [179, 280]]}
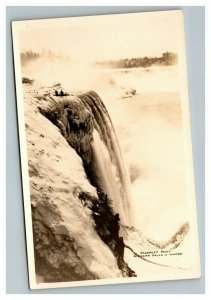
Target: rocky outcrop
{"points": [[27, 80], [70, 240], [74, 121], [107, 225]]}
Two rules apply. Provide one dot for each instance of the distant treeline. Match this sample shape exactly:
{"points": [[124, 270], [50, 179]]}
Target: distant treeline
{"points": [[167, 59], [28, 55], [31, 55]]}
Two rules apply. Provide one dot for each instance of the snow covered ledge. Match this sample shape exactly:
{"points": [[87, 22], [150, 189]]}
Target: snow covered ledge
{"points": [[66, 243]]}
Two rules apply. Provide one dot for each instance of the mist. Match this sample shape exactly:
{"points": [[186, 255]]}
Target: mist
{"points": [[149, 129]]}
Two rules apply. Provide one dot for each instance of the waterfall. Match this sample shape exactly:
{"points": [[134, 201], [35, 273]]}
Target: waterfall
{"points": [[107, 162], [86, 125]]}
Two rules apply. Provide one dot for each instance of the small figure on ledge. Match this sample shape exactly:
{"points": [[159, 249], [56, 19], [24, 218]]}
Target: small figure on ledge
{"points": [[61, 93]]}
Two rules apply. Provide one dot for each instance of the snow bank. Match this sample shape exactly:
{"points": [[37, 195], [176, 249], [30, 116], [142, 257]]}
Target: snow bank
{"points": [[67, 247]]}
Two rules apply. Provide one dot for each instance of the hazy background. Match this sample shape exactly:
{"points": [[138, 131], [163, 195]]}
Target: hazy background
{"points": [[148, 124], [104, 37]]}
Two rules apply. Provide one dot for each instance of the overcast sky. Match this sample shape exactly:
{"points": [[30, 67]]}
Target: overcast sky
{"points": [[107, 37]]}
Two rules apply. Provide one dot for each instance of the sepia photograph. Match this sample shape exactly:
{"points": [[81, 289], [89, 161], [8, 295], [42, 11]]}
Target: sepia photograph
{"points": [[106, 154]]}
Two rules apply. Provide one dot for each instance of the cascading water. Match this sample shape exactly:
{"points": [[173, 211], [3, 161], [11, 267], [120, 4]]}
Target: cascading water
{"points": [[107, 175], [107, 162], [85, 123]]}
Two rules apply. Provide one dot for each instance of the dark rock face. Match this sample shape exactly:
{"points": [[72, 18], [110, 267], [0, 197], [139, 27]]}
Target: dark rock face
{"points": [[75, 123], [27, 80], [107, 226]]}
